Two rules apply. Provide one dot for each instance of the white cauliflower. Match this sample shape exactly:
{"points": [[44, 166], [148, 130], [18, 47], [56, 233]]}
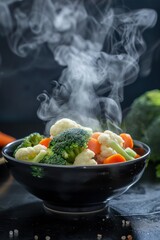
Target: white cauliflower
{"points": [[105, 139], [64, 124], [108, 136], [29, 153], [107, 151], [85, 158]]}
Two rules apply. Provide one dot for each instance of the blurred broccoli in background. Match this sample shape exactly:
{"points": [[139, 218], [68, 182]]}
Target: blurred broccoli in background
{"points": [[143, 123], [66, 146]]}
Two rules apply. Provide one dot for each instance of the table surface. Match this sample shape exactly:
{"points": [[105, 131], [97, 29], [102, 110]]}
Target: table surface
{"points": [[135, 215]]}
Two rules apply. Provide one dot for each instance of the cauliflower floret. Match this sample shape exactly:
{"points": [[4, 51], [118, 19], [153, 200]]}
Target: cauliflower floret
{"points": [[64, 124], [28, 153], [37, 148], [107, 151], [105, 139], [25, 153], [85, 158], [108, 136]]}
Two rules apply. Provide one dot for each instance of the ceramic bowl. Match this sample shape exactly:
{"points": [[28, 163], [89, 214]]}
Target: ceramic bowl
{"points": [[74, 189]]}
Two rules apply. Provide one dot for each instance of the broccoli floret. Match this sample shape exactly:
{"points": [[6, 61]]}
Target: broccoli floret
{"points": [[143, 121], [30, 141], [144, 110], [152, 138], [53, 158], [31, 153], [70, 143]]}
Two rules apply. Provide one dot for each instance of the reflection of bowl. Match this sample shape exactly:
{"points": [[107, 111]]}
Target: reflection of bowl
{"points": [[76, 188], [107, 224]]}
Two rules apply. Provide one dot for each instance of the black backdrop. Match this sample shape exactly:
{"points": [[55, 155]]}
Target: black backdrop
{"points": [[20, 84]]}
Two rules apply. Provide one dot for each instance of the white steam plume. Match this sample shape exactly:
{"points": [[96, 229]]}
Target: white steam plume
{"points": [[92, 82]]}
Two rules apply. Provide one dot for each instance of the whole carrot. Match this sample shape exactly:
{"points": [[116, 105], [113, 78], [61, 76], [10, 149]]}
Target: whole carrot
{"points": [[5, 139]]}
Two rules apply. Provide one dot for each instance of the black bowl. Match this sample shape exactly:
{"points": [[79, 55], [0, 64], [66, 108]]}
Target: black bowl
{"points": [[75, 189]]}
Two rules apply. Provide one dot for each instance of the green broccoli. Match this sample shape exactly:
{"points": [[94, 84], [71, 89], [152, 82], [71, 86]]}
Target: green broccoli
{"points": [[70, 143], [152, 138], [143, 121], [144, 110], [53, 158], [30, 141]]}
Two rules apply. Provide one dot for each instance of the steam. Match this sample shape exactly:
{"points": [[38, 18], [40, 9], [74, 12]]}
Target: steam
{"points": [[91, 85]]}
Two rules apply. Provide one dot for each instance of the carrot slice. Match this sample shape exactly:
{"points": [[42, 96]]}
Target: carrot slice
{"points": [[94, 145], [5, 139], [115, 158], [96, 135], [128, 141], [45, 142]]}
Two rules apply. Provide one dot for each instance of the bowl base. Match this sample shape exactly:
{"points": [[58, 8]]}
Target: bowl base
{"points": [[74, 211]]}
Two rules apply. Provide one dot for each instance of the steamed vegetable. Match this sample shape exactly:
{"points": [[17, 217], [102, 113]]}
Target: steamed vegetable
{"points": [[65, 146], [114, 159], [86, 157], [96, 135], [30, 141], [94, 145], [143, 122], [120, 150], [30, 153], [65, 124], [128, 141], [53, 158], [76, 146], [105, 139], [70, 143], [45, 141]]}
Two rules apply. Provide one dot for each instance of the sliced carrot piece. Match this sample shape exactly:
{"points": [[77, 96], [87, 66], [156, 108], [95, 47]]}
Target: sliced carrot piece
{"points": [[128, 141], [45, 142], [137, 156], [96, 135], [5, 139], [115, 158], [94, 145]]}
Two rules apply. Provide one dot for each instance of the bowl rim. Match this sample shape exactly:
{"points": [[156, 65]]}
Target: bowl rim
{"points": [[136, 142]]}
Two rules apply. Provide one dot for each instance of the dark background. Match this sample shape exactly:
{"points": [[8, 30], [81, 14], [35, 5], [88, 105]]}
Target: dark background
{"points": [[22, 80]]}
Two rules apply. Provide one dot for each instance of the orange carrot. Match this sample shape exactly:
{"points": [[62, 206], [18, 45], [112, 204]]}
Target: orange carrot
{"points": [[45, 142], [128, 141], [94, 145], [115, 158], [96, 135], [5, 139]]}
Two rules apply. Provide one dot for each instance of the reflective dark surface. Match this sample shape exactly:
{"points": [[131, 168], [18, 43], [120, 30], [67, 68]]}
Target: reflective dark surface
{"points": [[135, 214], [25, 213]]}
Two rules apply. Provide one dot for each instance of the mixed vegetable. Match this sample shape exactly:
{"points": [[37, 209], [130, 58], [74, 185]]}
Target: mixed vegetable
{"points": [[72, 144]]}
